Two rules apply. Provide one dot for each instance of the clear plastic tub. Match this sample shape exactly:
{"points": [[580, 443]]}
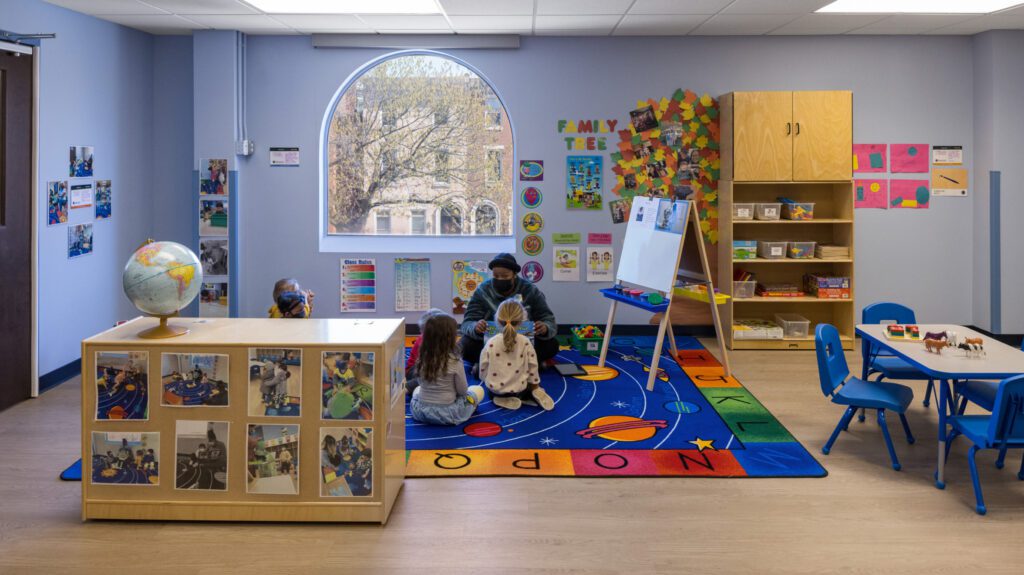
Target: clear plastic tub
{"points": [[743, 211], [744, 249], [793, 325], [771, 250], [800, 250], [768, 211], [743, 290], [798, 211]]}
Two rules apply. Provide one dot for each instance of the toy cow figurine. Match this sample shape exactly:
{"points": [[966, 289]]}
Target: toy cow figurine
{"points": [[941, 335], [935, 345], [972, 346]]}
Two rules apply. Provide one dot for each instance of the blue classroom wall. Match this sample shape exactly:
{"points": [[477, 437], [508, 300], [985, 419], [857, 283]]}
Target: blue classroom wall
{"points": [[998, 75], [96, 88], [173, 216], [902, 93]]}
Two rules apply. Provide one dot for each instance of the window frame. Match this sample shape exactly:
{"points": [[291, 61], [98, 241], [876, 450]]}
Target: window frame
{"points": [[366, 243]]}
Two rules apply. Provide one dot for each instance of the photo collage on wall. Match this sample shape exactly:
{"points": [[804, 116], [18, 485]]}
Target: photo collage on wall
{"points": [[68, 200], [214, 232]]}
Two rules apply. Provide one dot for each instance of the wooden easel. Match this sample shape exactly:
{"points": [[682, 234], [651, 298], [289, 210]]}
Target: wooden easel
{"points": [[691, 266]]}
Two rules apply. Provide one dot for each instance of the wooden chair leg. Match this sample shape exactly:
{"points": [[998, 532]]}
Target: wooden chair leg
{"points": [[888, 440], [980, 508]]}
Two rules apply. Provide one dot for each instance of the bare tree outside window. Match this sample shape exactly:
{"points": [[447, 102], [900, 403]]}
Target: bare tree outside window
{"points": [[415, 146]]}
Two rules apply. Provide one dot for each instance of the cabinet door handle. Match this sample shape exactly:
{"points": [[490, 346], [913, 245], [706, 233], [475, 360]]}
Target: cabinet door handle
{"points": [[789, 128], [798, 128]]}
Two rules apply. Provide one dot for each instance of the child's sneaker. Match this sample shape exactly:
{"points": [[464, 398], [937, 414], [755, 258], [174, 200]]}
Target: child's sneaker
{"points": [[512, 403], [543, 399]]}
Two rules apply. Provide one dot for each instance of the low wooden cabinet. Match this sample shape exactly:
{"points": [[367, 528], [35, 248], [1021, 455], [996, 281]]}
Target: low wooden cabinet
{"points": [[787, 136], [191, 428]]}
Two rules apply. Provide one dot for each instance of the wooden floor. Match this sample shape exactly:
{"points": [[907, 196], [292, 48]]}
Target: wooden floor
{"points": [[864, 517]]}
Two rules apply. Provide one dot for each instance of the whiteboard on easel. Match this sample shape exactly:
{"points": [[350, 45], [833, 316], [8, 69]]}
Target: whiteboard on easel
{"points": [[651, 248]]}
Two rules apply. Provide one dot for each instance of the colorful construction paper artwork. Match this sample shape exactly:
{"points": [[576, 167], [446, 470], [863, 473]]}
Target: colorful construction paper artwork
{"points": [[908, 158], [531, 170], [871, 193], [913, 194], [868, 158], [677, 151]]}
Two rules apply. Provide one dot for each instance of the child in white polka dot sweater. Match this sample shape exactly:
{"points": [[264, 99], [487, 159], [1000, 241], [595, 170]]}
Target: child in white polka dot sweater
{"points": [[508, 364]]}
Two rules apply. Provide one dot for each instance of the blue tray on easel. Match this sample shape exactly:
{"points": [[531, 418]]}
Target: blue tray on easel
{"points": [[634, 301]]}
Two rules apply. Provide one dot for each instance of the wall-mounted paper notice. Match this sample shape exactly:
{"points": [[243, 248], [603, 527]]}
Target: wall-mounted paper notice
{"points": [[284, 156], [947, 155], [81, 195], [358, 285], [949, 182], [599, 239], [412, 284]]}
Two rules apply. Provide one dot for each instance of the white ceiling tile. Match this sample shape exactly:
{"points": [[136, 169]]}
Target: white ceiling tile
{"points": [[320, 22], [98, 7], [592, 24], [242, 23], [913, 23], [414, 32], [582, 7], [203, 6], [734, 25], [461, 23], [516, 31], [155, 23], [478, 7], [678, 7], [1011, 12], [407, 22], [982, 24], [826, 24], [774, 6], [665, 25]]}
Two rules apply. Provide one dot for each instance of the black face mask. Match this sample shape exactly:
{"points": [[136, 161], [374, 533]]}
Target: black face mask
{"points": [[503, 286]]}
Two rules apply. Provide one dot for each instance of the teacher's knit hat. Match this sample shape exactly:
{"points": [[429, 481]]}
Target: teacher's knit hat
{"points": [[503, 260]]}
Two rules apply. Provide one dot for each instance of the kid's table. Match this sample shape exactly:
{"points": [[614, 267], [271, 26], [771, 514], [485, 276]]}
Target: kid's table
{"points": [[128, 490], [999, 362]]}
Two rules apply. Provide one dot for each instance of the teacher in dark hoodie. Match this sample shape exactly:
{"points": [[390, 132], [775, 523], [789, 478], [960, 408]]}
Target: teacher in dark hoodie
{"points": [[506, 284]]}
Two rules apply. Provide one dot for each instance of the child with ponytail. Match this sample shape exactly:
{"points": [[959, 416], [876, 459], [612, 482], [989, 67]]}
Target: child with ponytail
{"points": [[508, 364]]}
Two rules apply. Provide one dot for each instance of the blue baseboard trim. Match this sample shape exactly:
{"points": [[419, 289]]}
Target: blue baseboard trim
{"points": [[58, 376]]}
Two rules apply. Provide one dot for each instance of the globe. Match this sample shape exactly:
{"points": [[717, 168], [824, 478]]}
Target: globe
{"points": [[161, 278]]}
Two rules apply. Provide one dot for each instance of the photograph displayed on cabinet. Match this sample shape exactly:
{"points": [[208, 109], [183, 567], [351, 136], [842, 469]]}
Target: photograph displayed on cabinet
{"points": [[272, 453], [347, 385], [125, 458], [213, 217], [194, 379], [213, 300], [213, 254], [79, 240], [275, 382], [122, 385], [80, 162], [201, 455], [102, 203], [346, 462], [57, 203]]}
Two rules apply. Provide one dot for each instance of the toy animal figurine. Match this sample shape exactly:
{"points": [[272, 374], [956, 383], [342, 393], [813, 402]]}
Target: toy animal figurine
{"points": [[974, 341], [935, 335], [935, 345], [972, 347]]}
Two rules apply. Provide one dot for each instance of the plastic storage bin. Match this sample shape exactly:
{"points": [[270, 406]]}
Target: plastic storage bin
{"points": [[743, 211], [771, 250], [767, 211], [744, 249], [798, 211], [800, 250], [743, 290], [793, 325]]}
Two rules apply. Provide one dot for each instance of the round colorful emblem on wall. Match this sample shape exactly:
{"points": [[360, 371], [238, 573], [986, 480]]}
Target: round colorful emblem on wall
{"points": [[532, 222], [531, 197], [532, 245], [532, 272]]}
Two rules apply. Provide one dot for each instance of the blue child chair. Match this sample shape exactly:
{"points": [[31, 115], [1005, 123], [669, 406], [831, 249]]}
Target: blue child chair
{"points": [[1002, 429], [983, 394], [856, 393], [883, 363]]}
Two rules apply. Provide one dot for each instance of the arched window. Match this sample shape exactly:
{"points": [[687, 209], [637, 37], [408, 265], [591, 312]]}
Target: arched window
{"points": [[406, 134]]}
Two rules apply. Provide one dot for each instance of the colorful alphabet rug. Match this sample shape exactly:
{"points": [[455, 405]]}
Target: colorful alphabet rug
{"points": [[696, 423]]}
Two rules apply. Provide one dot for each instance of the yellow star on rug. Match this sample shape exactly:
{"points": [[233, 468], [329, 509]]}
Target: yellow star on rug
{"points": [[564, 348], [703, 444]]}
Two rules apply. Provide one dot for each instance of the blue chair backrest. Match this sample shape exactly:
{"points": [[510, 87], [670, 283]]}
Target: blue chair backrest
{"points": [[884, 312], [832, 368], [1007, 421]]}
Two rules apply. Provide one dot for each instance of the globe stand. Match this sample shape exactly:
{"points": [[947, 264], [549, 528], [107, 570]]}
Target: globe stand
{"points": [[163, 330]]}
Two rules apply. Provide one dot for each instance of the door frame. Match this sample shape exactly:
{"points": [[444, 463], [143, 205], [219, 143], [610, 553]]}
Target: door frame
{"points": [[34, 330]]}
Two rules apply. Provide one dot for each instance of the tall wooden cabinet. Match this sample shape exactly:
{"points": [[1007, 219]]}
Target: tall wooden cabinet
{"points": [[796, 145], [787, 136]]}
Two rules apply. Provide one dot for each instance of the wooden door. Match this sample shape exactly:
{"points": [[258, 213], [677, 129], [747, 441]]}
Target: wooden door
{"points": [[15, 227], [822, 135], [762, 136]]}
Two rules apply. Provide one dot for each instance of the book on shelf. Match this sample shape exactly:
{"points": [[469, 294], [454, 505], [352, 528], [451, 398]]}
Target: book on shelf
{"points": [[831, 252]]}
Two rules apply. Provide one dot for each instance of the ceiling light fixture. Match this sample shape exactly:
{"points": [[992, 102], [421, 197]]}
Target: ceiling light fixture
{"points": [[918, 6], [346, 6]]}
